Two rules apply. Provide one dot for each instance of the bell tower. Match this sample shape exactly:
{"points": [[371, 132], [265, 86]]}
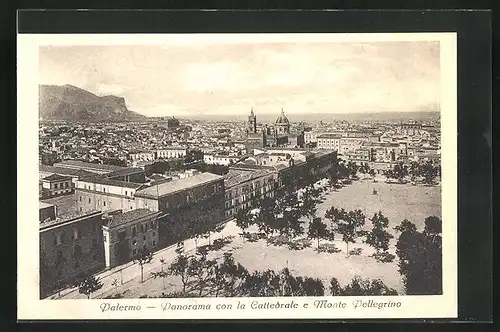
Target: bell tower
{"points": [[252, 122]]}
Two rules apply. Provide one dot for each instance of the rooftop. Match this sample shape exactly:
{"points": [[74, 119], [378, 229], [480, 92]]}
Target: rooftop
{"points": [[44, 205], [174, 186], [64, 171], [331, 136], [123, 218], [69, 217], [125, 171], [109, 182], [83, 164], [237, 176], [56, 177]]}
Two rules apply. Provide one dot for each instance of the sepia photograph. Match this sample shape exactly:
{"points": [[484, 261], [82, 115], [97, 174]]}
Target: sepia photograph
{"points": [[201, 167]]}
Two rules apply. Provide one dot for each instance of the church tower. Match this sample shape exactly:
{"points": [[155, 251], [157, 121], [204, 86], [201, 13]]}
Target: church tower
{"points": [[252, 122]]}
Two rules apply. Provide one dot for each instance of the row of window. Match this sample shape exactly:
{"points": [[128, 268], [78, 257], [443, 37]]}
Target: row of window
{"points": [[63, 185]]}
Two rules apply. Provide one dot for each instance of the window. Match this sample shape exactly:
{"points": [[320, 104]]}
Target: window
{"points": [[81, 209], [104, 238], [126, 193], [142, 228], [131, 208], [154, 233], [55, 186], [89, 200], [134, 252], [144, 247], [144, 238], [104, 203], [134, 231], [154, 243], [80, 198], [75, 234]]}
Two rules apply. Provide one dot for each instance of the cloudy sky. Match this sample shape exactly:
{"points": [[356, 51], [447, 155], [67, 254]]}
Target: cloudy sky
{"points": [[230, 79]]}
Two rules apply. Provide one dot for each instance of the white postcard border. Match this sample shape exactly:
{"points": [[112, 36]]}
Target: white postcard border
{"points": [[30, 307]]}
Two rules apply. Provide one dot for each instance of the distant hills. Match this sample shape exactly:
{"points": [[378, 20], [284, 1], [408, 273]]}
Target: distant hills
{"points": [[70, 103]]}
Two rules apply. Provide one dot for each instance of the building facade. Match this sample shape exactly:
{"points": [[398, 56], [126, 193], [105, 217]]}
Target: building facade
{"points": [[125, 234], [70, 247], [56, 185], [188, 205], [245, 187]]}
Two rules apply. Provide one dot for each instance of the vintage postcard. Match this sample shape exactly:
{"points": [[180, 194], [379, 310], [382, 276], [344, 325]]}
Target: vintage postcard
{"points": [[237, 176]]}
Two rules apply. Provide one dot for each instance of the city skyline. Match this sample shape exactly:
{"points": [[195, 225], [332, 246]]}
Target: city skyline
{"points": [[221, 79]]}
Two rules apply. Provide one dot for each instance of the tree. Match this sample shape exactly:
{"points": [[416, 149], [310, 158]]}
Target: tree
{"points": [[313, 287], [400, 171], [179, 267], [201, 269], [145, 256], [345, 224], [229, 276], [366, 287], [243, 219], [335, 288], [89, 285], [317, 229], [414, 171], [379, 237], [352, 169], [429, 172], [160, 274], [266, 218], [420, 257]]}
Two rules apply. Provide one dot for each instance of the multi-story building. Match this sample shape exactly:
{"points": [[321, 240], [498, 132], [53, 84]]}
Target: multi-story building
{"points": [[125, 234], [135, 156], [70, 247], [99, 193], [328, 141], [189, 205], [55, 185], [171, 152], [220, 159], [244, 187]]}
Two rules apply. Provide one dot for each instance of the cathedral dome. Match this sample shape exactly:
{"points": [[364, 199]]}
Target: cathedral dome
{"points": [[282, 119]]}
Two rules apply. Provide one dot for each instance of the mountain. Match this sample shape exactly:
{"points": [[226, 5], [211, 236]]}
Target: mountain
{"points": [[70, 103]]}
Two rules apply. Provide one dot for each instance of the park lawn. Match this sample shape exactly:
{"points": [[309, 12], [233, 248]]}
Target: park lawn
{"points": [[396, 201]]}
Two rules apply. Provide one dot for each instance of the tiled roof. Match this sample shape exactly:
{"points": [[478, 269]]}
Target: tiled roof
{"points": [[332, 136], [125, 171], [171, 187], [69, 217], [109, 182], [123, 218], [56, 177], [83, 164]]}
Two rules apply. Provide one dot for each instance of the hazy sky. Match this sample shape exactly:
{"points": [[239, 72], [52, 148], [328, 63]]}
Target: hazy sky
{"points": [[231, 79]]}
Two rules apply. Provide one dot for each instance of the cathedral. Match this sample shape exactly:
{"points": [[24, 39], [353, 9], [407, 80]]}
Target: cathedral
{"points": [[275, 135]]}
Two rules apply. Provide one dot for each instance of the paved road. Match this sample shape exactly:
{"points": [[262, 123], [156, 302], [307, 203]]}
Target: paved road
{"points": [[130, 272]]}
